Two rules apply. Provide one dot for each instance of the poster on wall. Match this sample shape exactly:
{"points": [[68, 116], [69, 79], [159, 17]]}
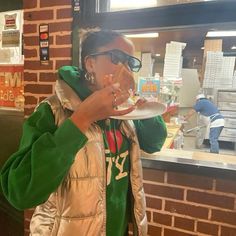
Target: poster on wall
{"points": [[11, 86], [10, 38], [148, 86], [44, 43], [77, 5], [10, 21]]}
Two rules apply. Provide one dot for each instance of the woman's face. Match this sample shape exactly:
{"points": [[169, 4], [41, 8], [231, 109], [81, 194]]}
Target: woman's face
{"points": [[106, 72]]}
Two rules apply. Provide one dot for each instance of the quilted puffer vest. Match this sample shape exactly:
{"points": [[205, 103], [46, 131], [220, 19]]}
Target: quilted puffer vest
{"points": [[78, 206]]}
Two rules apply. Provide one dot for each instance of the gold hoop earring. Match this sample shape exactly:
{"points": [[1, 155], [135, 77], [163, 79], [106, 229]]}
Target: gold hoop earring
{"points": [[90, 78]]}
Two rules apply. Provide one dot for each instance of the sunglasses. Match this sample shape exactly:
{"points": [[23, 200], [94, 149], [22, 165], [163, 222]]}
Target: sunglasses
{"points": [[117, 56]]}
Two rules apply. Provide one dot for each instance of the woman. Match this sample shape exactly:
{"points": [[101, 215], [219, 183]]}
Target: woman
{"points": [[79, 167]]}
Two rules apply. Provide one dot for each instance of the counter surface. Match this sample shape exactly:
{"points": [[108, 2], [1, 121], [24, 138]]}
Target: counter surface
{"points": [[172, 132], [189, 161]]}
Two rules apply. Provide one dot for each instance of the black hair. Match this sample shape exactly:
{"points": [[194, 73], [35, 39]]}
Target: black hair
{"points": [[95, 40]]}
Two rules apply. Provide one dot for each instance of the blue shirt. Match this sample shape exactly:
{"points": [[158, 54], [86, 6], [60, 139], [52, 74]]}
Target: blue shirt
{"points": [[207, 108]]}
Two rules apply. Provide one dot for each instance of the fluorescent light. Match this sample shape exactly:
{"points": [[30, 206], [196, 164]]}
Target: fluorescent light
{"points": [[221, 33], [131, 4], [143, 35], [233, 47]]}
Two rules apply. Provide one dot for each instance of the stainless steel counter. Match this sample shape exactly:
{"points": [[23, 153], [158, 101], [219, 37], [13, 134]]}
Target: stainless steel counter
{"points": [[191, 162]]}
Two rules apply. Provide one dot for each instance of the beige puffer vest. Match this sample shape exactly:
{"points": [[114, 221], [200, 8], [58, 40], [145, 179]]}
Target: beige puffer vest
{"points": [[78, 206]]}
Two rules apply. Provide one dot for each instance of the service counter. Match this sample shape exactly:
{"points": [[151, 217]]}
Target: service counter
{"points": [[199, 162], [190, 193]]}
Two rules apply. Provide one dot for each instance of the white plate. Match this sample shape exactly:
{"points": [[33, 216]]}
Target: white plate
{"points": [[145, 111]]}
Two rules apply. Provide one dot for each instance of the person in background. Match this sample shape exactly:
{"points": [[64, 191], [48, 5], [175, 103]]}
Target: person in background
{"points": [[80, 168], [206, 108]]}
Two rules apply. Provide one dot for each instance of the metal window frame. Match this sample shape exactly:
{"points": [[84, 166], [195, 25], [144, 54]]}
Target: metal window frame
{"points": [[166, 17], [11, 5]]}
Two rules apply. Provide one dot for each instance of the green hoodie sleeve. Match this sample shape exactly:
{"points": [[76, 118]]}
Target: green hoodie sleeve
{"points": [[151, 133], [42, 161]]}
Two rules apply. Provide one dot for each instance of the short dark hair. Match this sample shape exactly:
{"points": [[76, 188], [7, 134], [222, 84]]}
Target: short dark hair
{"points": [[95, 40]]}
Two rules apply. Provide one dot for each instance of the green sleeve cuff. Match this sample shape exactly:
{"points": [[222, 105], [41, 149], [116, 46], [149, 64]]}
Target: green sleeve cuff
{"points": [[151, 133], [69, 131]]}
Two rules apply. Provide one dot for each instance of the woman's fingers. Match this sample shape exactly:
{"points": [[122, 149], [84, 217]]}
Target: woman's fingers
{"points": [[123, 111], [140, 102]]}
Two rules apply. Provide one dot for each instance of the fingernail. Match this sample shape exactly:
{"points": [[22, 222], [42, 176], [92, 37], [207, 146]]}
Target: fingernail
{"points": [[116, 85]]}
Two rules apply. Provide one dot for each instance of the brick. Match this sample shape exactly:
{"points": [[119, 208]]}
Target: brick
{"points": [[31, 41], [28, 111], [154, 230], [189, 180], [47, 77], [42, 98], [60, 52], [38, 88], [227, 231], [27, 4], [210, 199], [183, 223], [224, 216], [153, 175], [26, 224], [164, 191], [130, 227], [38, 15], [186, 209], [226, 186], [29, 28], [53, 3], [60, 63], [207, 228], [59, 27], [30, 77], [62, 40], [64, 13], [26, 233], [170, 232], [163, 219], [29, 53], [35, 65], [28, 213], [154, 203], [30, 100], [149, 215]]}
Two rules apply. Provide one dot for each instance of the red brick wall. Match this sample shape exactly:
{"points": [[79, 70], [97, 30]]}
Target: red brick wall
{"points": [[186, 205], [39, 79]]}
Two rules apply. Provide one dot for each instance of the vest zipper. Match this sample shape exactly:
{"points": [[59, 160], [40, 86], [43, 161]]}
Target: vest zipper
{"points": [[104, 179]]}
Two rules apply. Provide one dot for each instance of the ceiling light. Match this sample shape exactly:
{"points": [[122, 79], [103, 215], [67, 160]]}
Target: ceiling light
{"points": [[143, 35], [233, 47], [157, 55], [202, 48], [221, 34], [116, 4]]}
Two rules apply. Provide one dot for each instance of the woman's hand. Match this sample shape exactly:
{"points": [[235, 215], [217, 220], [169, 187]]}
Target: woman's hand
{"points": [[140, 102], [101, 105]]}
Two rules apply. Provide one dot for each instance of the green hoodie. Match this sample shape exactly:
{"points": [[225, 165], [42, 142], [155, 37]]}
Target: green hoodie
{"points": [[46, 153]]}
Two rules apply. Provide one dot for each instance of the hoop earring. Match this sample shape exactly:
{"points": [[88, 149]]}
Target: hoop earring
{"points": [[90, 78]]}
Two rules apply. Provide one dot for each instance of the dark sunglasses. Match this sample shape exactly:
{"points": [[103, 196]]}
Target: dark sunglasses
{"points": [[117, 56]]}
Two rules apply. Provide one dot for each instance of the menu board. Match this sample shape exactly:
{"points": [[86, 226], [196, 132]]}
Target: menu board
{"points": [[148, 86], [11, 86]]}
